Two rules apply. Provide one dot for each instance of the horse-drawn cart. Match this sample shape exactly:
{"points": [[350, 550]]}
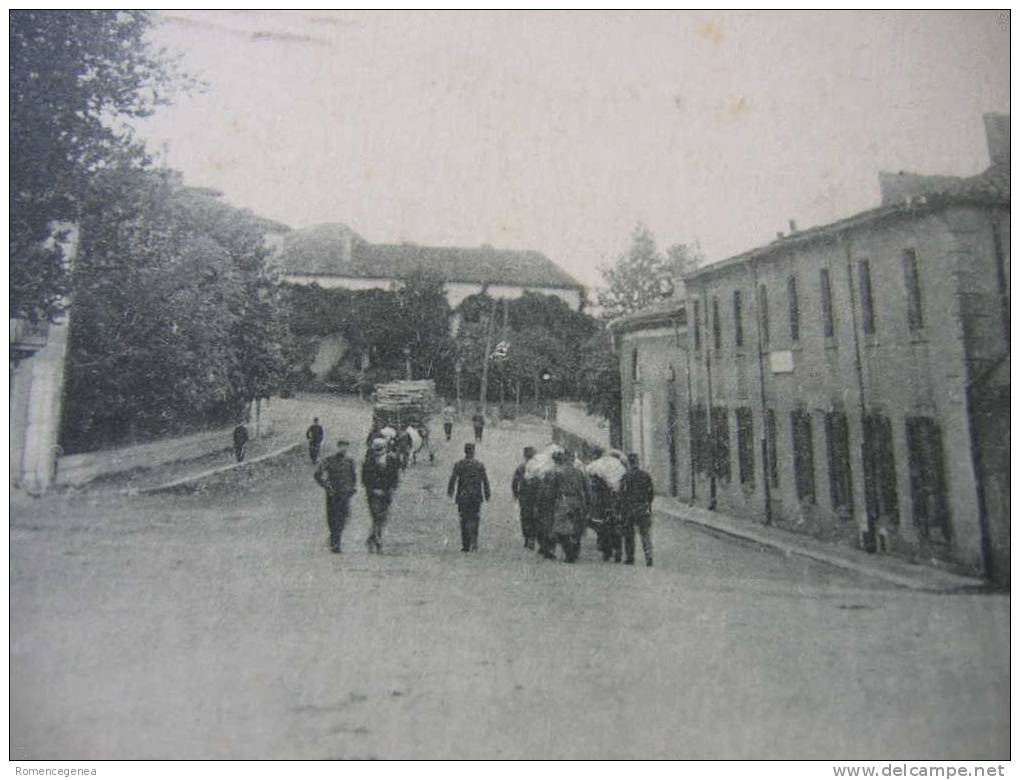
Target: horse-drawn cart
{"points": [[405, 406]]}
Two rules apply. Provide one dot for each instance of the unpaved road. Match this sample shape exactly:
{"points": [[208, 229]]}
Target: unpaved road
{"points": [[217, 625]]}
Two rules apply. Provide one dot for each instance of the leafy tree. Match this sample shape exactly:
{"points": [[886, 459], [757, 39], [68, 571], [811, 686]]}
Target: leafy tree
{"points": [[600, 381], [75, 78]]}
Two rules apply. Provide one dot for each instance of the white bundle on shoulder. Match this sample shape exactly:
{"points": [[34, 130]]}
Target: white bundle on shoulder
{"points": [[610, 469], [542, 462], [389, 432]]}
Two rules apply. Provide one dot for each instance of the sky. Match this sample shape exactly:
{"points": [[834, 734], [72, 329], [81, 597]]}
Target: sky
{"points": [[560, 131]]}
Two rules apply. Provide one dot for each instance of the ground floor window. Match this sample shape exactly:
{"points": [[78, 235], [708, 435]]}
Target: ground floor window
{"points": [[721, 443], [837, 439], [745, 445], [803, 455], [928, 489], [880, 492], [772, 439], [699, 438]]}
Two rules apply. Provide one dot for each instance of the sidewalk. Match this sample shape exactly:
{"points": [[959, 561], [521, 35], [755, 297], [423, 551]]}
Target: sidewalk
{"points": [[895, 571]]}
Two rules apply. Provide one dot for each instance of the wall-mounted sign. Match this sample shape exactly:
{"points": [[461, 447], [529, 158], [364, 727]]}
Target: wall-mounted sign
{"points": [[781, 361]]}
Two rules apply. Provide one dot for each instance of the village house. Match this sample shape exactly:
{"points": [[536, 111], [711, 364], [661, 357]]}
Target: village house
{"points": [[850, 381]]}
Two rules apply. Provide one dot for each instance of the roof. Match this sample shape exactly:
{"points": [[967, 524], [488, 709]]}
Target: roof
{"points": [[988, 188], [335, 250], [665, 312]]}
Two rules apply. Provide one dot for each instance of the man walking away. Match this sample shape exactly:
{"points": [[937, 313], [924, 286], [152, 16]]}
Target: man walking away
{"points": [[380, 474], [449, 414], [240, 440], [636, 496], [571, 501], [315, 434], [525, 492], [336, 476], [471, 485], [478, 421]]}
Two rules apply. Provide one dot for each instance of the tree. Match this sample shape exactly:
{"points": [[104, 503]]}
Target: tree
{"points": [[642, 276], [600, 381], [75, 78]]}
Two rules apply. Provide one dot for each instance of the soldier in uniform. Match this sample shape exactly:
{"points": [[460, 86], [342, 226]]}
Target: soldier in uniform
{"points": [[636, 494], [449, 415], [336, 476], [315, 434], [567, 492], [380, 474], [470, 484], [525, 492], [240, 440], [478, 421]]}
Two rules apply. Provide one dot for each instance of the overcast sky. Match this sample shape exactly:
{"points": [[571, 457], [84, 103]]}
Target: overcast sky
{"points": [[559, 131]]}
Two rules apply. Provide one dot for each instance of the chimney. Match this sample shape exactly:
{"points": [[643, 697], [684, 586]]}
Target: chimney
{"points": [[793, 226], [779, 234], [997, 134]]}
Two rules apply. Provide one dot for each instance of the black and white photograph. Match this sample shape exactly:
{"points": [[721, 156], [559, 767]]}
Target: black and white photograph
{"points": [[510, 385]]}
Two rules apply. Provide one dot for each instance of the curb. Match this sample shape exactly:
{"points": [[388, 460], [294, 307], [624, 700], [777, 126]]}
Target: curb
{"points": [[212, 472], [894, 571]]}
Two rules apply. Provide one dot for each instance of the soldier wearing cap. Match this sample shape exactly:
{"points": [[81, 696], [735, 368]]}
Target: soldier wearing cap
{"points": [[470, 483], [525, 492], [636, 494], [315, 435], [380, 474], [568, 495], [337, 477]]}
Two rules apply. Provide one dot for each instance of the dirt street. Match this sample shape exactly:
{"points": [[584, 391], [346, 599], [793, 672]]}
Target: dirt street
{"points": [[216, 624]]}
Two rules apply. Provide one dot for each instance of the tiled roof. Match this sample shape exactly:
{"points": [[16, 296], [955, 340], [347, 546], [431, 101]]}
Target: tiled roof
{"points": [[321, 251], [663, 311]]}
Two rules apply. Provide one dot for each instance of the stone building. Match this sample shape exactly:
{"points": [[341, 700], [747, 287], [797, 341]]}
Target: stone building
{"points": [[850, 381]]}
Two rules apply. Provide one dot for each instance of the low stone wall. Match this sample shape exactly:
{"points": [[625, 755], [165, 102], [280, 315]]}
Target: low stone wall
{"points": [[573, 417], [581, 446], [75, 470]]}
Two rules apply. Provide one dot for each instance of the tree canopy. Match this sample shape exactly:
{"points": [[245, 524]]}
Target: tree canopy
{"points": [[75, 78]]}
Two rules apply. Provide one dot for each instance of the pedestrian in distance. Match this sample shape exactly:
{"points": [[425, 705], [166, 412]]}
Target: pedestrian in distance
{"points": [[449, 415], [478, 421], [525, 492], [380, 474], [337, 477], [240, 440], [566, 491], [470, 485], [315, 435], [636, 495]]}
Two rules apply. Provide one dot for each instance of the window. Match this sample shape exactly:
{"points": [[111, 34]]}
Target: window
{"points": [[915, 316], [763, 314], [699, 438], [880, 469], [720, 443], [745, 445], [791, 295], [803, 455], [772, 439], [716, 325], [634, 366], [828, 324], [928, 489], [867, 303], [697, 326], [738, 320], [837, 439]]}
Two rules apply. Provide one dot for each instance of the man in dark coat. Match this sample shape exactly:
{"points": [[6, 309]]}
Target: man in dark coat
{"points": [[380, 474], [240, 439], [525, 492], [336, 476], [636, 494], [478, 421], [567, 492], [315, 434], [470, 484]]}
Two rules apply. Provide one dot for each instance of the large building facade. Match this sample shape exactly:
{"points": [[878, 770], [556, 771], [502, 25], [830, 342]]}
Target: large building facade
{"points": [[849, 381]]}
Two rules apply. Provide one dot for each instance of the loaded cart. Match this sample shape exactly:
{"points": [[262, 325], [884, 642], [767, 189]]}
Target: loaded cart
{"points": [[405, 407]]}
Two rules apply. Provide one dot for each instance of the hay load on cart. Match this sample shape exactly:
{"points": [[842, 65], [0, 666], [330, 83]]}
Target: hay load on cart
{"points": [[404, 408]]}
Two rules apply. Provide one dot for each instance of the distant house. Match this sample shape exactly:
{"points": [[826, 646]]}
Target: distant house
{"points": [[333, 255]]}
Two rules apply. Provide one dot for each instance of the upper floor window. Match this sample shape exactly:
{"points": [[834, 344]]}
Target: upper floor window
{"points": [[716, 324], [635, 367], [828, 321], [791, 295], [867, 302], [763, 314], [738, 320], [915, 315], [697, 326]]}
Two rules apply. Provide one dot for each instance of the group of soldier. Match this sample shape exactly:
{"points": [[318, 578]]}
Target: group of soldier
{"points": [[557, 502]]}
